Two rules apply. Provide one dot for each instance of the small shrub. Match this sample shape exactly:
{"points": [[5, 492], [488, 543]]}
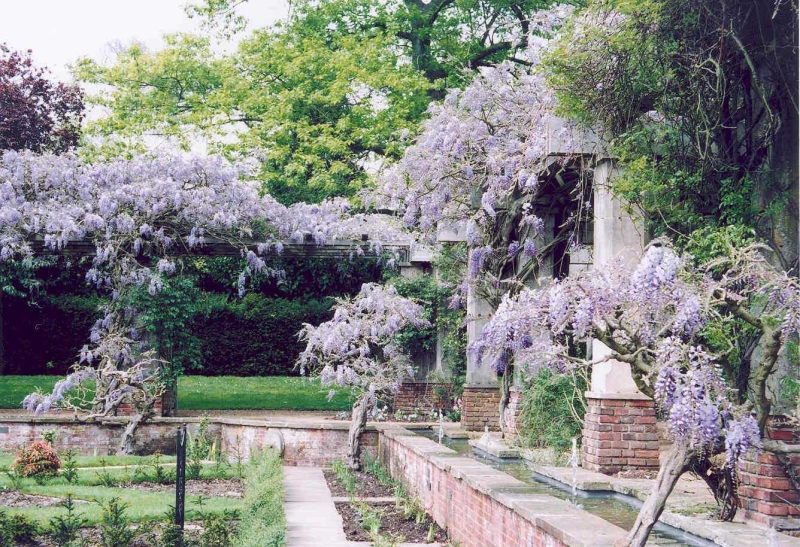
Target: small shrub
{"points": [[16, 529], [104, 476], [65, 530], [218, 531], [39, 461], [171, 536], [115, 526], [70, 467], [14, 476], [160, 474], [551, 410]]}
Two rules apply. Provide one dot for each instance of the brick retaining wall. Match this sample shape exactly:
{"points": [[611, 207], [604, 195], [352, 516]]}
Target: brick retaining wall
{"points": [[96, 438], [422, 395], [482, 507], [314, 444], [619, 433]]}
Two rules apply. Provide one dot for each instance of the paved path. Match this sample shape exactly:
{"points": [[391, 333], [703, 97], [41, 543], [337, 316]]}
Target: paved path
{"points": [[311, 516]]}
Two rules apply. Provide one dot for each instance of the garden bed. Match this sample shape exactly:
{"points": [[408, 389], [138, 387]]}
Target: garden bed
{"points": [[219, 505], [392, 522], [367, 515], [367, 486]]}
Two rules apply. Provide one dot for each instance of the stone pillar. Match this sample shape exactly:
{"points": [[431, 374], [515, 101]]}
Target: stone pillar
{"points": [[481, 393], [619, 431]]}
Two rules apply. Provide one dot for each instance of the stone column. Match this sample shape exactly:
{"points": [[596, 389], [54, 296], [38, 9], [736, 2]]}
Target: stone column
{"points": [[619, 431], [481, 399]]}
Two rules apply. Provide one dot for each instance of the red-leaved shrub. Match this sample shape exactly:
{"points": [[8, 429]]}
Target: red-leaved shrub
{"points": [[39, 459]]}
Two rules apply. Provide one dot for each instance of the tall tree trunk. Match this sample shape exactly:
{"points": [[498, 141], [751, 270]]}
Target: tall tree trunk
{"points": [[357, 426], [677, 462]]}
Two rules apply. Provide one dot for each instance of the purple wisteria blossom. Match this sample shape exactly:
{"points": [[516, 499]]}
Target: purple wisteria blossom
{"points": [[653, 318]]}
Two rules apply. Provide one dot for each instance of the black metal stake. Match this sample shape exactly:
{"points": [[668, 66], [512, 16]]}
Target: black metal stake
{"points": [[180, 481]]}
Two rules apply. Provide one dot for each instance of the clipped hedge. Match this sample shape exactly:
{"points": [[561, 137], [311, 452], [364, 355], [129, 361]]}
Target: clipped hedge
{"points": [[46, 338], [256, 336], [263, 521]]}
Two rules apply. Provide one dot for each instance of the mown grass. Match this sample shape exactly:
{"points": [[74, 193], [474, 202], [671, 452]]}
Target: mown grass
{"points": [[212, 393], [6, 459], [14, 388], [142, 506]]}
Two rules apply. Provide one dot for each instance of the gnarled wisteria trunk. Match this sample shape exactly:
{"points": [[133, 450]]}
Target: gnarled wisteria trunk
{"points": [[357, 426], [678, 460]]}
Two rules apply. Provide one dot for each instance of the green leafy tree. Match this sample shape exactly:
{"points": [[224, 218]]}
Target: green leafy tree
{"points": [[319, 98]]}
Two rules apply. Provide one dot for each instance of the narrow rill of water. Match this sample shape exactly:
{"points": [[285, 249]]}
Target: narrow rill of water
{"points": [[606, 505]]}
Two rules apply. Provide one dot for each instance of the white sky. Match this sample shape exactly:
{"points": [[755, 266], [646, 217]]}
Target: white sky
{"points": [[61, 31]]}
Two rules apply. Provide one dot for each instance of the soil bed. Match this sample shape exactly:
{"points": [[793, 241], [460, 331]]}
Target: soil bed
{"points": [[209, 488], [15, 498], [392, 522], [367, 486], [91, 536]]}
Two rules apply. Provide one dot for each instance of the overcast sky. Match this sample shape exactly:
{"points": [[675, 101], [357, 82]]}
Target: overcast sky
{"points": [[61, 31]]}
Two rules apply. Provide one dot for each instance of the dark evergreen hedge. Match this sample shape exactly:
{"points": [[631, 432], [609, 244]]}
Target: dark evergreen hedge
{"points": [[256, 336]]}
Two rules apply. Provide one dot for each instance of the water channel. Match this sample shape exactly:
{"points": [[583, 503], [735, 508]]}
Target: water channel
{"points": [[615, 508]]}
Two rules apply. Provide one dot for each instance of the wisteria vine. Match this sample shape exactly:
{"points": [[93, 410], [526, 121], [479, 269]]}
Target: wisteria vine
{"points": [[653, 318]]}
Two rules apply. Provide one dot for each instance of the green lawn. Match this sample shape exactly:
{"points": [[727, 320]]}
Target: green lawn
{"points": [[212, 393]]}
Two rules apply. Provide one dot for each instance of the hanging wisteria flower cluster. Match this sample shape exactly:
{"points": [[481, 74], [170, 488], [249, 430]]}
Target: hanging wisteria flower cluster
{"points": [[652, 318], [158, 206], [358, 348]]}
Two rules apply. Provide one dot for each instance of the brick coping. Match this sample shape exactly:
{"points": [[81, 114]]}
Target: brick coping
{"points": [[728, 534]]}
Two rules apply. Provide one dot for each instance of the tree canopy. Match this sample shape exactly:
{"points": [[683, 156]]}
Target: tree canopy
{"points": [[35, 113]]}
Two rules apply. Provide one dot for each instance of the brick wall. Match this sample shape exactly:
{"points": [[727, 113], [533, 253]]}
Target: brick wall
{"points": [[619, 433], [513, 411], [766, 491], [305, 445], [482, 507], [413, 395], [101, 438], [481, 408], [311, 446]]}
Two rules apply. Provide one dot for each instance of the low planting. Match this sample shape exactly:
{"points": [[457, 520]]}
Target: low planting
{"points": [[120, 506], [382, 523], [263, 521]]}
